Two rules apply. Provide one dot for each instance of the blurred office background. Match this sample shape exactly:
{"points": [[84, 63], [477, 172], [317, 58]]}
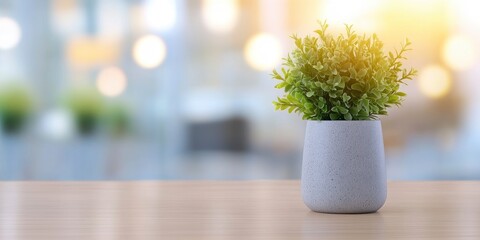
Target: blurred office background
{"points": [[164, 89]]}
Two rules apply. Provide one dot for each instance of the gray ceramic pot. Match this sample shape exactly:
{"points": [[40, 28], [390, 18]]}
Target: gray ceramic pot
{"points": [[343, 168]]}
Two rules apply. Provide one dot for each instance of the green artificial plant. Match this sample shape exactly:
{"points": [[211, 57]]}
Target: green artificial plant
{"points": [[344, 77]]}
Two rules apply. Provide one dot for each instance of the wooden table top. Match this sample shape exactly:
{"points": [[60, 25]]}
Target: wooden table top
{"points": [[228, 210]]}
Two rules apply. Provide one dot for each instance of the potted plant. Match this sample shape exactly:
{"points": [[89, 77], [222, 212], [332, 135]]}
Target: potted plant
{"points": [[341, 84], [16, 108], [16, 105], [118, 123], [86, 106]]}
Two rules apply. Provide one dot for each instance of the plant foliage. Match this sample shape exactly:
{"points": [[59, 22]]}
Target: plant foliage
{"points": [[86, 106], [344, 77], [16, 106]]}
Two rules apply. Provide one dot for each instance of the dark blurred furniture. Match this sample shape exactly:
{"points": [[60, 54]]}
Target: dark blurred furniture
{"points": [[229, 134]]}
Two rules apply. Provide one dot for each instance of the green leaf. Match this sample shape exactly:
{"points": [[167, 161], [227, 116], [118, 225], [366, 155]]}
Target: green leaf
{"points": [[354, 110], [353, 72], [276, 104], [357, 86], [321, 102], [291, 98], [337, 79], [308, 105], [298, 42], [393, 99], [342, 110], [291, 109], [298, 96], [365, 105], [281, 85], [288, 87], [289, 79], [363, 113], [309, 94], [319, 66], [347, 116], [277, 76], [362, 73], [325, 87], [334, 116]]}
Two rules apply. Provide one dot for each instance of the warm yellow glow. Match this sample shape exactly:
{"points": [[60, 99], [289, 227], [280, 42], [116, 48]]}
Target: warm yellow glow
{"points": [[340, 12], [149, 51], [9, 33], [88, 51], [220, 15], [434, 81], [460, 52], [111, 81], [263, 51], [160, 15]]}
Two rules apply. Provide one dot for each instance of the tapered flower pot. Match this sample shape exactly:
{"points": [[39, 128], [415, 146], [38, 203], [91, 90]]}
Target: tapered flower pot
{"points": [[343, 169]]}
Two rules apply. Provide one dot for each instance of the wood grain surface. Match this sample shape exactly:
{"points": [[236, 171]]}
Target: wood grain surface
{"points": [[228, 210]]}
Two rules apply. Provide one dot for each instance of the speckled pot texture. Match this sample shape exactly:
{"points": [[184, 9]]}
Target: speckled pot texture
{"points": [[343, 169]]}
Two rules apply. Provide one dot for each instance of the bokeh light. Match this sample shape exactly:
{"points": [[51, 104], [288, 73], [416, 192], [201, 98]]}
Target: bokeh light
{"points": [[111, 81], [159, 15], [149, 51], [460, 52], [56, 124], [86, 51], [220, 15], [10, 33], [465, 12], [263, 51], [434, 81]]}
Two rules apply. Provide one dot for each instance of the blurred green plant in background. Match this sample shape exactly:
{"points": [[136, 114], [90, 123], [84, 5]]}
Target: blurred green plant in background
{"points": [[86, 106], [92, 112], [16, 105], [117, 119]]}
